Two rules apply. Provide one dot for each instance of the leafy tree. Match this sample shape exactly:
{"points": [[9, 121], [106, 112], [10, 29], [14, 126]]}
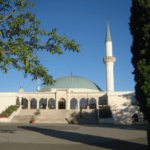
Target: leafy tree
{"points": [[140, 29], [19, 42]]}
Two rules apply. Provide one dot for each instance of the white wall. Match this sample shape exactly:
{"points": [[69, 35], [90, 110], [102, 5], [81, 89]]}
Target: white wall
{"points": [[120, 103], [7, 99]]}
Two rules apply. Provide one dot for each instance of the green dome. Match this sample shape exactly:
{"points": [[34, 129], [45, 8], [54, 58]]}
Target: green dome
{"points": [[72, 82]]}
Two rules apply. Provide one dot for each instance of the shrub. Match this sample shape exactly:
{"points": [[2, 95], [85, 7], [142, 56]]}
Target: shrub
{"points": [[105, 112]]}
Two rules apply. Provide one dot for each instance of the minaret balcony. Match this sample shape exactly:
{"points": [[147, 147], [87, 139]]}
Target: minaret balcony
{"points": [[109, 59]]}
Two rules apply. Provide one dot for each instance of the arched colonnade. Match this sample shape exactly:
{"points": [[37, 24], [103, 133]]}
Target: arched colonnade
{"points": [[45, 103]]}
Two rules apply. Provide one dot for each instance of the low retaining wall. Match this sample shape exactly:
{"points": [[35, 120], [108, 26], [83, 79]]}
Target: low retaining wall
{"points": [[7, 120]]}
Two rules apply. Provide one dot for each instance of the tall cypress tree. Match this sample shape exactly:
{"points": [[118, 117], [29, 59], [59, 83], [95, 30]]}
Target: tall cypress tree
{"points": [[140, 29]]}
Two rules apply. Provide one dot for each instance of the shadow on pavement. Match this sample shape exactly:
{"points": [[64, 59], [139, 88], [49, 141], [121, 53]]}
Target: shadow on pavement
{"points": [[98, 141], [126, 127]]}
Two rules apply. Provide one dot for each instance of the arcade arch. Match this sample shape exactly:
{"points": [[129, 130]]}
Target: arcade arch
{"points": [[92, 103], [62, 104], [42, 103], [52, 104], [33, 103], [24, 102], [83, 103], [73, 103], [135, 118]]}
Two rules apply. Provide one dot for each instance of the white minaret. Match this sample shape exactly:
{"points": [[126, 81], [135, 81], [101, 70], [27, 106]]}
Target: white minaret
{"points": [[38, 88], [109, 61]]}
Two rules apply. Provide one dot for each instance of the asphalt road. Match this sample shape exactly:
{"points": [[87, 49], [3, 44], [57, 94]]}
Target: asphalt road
{"points": [[72, 137]]}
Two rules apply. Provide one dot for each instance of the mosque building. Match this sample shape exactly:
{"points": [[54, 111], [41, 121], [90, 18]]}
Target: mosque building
{"points": [[73, 92]]}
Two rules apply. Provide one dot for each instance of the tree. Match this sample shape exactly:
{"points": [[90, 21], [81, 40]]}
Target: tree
{"points": [[19, 32], [140, 29]]}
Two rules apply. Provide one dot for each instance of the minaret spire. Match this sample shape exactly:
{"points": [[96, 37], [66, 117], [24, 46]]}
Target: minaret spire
{"points": [[109, 61], [108, 36]]}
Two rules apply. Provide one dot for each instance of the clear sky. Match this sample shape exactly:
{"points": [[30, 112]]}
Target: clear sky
{"points": [[85, 21]]}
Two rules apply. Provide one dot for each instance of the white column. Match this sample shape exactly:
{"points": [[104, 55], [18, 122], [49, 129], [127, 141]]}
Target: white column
{"points": [[47, 104], [37, 103], [97, 101], [78, 104], [56, 99], [68, 101], [88, 101], [29, 101], [20, 100]]}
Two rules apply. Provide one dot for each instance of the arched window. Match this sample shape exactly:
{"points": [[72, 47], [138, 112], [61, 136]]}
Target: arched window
{"points": [[135, 118], [33, 104], [73, 104], [134, 101], [24, 103], [51, 104], [92, 103], [42, 103], [83, 103], [102, 101]]}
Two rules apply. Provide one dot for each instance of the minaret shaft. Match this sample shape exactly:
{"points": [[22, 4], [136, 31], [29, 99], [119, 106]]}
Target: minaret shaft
{"points": [[109, 76], [109, 62], [109, 48], [38, 88]]}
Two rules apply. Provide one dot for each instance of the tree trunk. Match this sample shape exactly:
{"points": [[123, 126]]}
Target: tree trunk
{"points": [[148, 136]]}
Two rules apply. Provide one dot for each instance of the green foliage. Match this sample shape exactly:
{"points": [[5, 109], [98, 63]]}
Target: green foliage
{"points": [[19, 32], [140, 29], [33, 118], [74, 118], [105, 112], [9, 110]]}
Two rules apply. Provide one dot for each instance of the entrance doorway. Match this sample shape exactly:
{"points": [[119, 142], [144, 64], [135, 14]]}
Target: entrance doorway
{"points": [[62, 104]]}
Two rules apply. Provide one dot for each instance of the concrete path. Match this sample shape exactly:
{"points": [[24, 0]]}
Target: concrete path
{"points": [[19, 136]]}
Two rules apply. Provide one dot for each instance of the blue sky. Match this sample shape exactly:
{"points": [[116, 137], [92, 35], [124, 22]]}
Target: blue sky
{"points": [[85, 21]]}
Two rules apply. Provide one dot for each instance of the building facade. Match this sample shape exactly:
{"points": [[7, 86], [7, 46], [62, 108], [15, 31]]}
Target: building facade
{"points": [[73, 92]]}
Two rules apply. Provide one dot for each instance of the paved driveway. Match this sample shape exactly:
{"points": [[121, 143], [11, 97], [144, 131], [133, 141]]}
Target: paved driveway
{"points": [[63, 137]]}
